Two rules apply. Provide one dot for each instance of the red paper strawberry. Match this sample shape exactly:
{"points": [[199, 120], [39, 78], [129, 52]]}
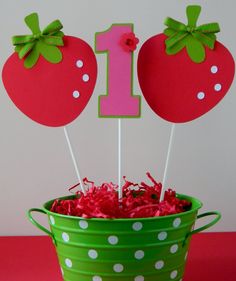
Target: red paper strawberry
{"points": [[184, 72], [53, 84]]}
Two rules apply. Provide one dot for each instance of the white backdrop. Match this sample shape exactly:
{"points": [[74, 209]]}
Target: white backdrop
{"points": [[35, 164]]}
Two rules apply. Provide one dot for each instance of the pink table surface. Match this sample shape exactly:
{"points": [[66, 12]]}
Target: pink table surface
{"points": [[212, 257]]}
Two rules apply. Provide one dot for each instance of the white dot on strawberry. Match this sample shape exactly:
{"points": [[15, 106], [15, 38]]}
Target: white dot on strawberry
{"points": [[201, 95], [79, 63], [76, 94], [85, 77], [214, 69], [217, 87]]}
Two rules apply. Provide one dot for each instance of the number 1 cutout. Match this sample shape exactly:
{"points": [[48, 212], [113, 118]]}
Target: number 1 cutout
{"points": [[119, 101]]}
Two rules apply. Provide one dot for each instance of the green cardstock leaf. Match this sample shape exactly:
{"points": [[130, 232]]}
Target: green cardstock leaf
{"points": [[174, 24], [50, 53], [52, 27], [52, 40], [193, 12], [195, 38], [205, 39], [32, 22], [212, 35], [26, 49], [195, 50], [59, 34], [18, 48], [175, 39], [177, 47], [32, 58], [209, 27], [17, 40], [169, 32]]}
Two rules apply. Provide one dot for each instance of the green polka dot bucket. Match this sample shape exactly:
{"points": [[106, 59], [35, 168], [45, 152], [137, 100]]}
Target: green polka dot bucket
{"points": [[140, 249]]}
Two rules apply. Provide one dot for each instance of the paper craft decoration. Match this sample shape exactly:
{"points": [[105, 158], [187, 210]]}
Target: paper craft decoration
{"points": [[50, 77], [118, 43], [185, 72]]}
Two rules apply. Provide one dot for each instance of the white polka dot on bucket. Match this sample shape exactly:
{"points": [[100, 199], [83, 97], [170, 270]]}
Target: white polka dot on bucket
{"points": [[174, 248], [162, 235], [83, 224], [85, 77], [65, 237], [173, 274], [217, 87], [97, 278], [76, 94], [118, 267], [159, 264], [93, 254], [68, 262], [113, 240], [177, 222], [137, 226], [139, 278], [52, 220], [139, 254], [214, 69], [201, 95], [79, 63]]}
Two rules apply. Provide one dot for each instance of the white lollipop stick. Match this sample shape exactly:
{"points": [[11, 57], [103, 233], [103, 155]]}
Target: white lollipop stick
{"points": [[73, 159], [167, 162], [119, 161]]}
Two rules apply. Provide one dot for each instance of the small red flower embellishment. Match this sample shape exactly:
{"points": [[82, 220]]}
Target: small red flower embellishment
{"points": [[129, 42]]}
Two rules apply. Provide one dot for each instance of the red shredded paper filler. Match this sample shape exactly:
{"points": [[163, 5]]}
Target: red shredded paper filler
{"points": [[139, 201]]}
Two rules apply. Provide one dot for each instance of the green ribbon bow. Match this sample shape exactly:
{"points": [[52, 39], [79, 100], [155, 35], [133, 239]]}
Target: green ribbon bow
{"points": [[193, 37], [44, 43]]}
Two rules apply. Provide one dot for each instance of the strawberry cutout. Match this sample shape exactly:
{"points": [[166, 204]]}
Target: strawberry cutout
{"points": [[54, 83], [185, 72]]}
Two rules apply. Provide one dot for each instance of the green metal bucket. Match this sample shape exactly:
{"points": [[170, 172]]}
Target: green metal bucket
{"points": [[137, 249]]}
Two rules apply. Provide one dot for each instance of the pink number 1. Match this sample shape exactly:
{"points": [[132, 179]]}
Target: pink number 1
{"points": [[119, 100]]}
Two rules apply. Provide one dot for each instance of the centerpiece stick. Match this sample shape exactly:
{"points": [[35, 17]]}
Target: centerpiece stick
{"points": [[167, 162], [73, 159], [119, 161]]}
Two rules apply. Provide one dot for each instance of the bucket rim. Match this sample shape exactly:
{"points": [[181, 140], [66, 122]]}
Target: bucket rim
{"points": [[198, 203]]}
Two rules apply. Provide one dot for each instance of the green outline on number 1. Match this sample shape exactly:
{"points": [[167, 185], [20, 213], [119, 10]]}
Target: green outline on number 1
{"points": [[107, 68]]}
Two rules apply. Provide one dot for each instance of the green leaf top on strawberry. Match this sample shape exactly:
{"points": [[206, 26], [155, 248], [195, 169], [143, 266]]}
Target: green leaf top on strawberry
{"points": [[50, 77], [185, 72], [191, 36], [39, 43]]}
